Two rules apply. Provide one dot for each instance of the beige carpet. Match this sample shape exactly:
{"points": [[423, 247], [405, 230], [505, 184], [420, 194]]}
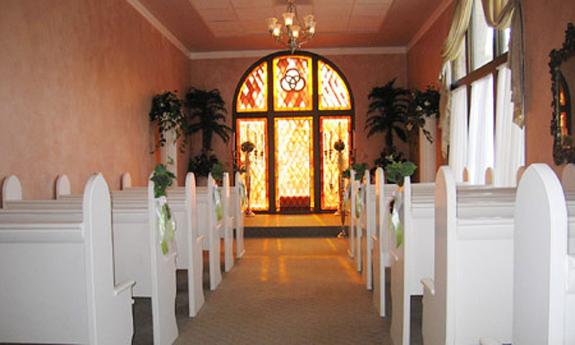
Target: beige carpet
{"points": [[287, 291]]}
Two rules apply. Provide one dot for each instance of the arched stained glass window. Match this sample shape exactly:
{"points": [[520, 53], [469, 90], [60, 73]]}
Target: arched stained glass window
{"points": [[254, 91], [294, 109], [333, 93]]}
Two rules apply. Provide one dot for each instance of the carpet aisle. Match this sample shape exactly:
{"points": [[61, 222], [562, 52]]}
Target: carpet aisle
{"points": [[287, 291]]}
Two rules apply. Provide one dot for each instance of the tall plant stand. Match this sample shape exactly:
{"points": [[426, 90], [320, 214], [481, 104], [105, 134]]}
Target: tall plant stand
{"points": [[248, 212]]}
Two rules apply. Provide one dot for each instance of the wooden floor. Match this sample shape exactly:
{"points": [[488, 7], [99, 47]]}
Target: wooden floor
{"points": [[290, 220]]}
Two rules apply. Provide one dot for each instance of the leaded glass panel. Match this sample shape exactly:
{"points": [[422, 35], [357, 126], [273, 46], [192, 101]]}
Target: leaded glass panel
{"points": [[332, 130], [255, 131], [253, 94], [333, 92], [294, 163], [293, 83]]}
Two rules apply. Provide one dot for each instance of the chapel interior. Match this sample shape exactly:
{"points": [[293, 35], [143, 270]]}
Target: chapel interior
{"points": [[338, 137]]}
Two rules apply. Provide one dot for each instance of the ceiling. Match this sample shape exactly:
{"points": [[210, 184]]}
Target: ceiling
{"points": [[224, 25]]}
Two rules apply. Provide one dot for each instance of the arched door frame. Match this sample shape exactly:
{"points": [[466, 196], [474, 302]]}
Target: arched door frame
{"points": [[271, 114]]}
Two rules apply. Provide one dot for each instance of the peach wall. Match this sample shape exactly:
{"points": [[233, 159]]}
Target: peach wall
{"points": [[77, 80], [362, 71], [545, 24], [424, 63], [424, 58]]}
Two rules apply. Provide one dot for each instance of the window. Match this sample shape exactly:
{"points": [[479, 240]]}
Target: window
{"points": [[481, 116], [293, 108]]}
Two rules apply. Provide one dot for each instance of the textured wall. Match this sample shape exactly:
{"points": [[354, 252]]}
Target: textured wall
{"points": [[424, 63], [362, 71], [77, 80]]}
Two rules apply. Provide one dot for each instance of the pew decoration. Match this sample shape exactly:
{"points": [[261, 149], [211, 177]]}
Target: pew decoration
{"points": [[218, 203], [359, 202], [162, 179], [395, 209]]}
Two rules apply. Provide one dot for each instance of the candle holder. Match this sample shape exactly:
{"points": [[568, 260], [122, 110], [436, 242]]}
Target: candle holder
{"points": [[339, 146], [247, 147]]}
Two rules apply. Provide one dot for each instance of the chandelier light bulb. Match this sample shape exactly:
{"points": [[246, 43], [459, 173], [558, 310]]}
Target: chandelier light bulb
{"points": [[277, 30], [295, 31], [272, 23], [288, 18]]}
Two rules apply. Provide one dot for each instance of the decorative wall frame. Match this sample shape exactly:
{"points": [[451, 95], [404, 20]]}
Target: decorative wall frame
{"points": [[562, 68]]}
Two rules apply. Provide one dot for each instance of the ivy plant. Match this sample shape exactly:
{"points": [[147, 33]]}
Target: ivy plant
{"points": [[166, 110], [162, 178]]}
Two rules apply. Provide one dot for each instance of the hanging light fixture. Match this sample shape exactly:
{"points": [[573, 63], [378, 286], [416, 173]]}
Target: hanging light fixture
{"points": [[293, 33]]}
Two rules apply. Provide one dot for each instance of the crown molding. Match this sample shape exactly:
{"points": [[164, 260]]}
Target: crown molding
{"points": [[429, 23], [159, 26], [235, 54]]}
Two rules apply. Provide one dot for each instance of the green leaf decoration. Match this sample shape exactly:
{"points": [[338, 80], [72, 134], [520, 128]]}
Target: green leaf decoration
{"points": [[162, 178]]}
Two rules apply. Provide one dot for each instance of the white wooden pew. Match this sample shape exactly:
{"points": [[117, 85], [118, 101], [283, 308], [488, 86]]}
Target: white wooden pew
{"points": [[471, 292], [544, 270], [381, 242], [382, 238], [353, 186], [412, 258], [358, 205], [139, 257], [57, 276], [367, 228], [238, 194], [189, 240]]}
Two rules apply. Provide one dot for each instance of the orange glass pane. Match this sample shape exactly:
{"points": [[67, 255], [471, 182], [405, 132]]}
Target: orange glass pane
{"points": [[255, 131], [333, 92], [333, 129], [294, 163], [253, 94], [293, 83]]}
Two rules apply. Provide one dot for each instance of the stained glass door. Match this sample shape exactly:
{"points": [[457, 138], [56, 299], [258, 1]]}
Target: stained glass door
{"points": [[294, 164]]}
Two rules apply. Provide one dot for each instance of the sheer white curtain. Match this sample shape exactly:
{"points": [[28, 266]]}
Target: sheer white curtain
{"points": [[509, 138], [480, 154], [458, 132]]}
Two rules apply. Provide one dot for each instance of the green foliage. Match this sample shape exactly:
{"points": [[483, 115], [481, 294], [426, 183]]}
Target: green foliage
{"points": [[359, 169], [387, 112], [166, 109], [217, 171], [201, 165], [424, 104], [397, 170], [394, 109], [162, 178], [207, 114], [387, 157]]}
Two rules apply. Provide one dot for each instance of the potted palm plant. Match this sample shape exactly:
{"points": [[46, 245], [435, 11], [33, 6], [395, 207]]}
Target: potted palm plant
{"points": [[207, 114], [387, 113]]}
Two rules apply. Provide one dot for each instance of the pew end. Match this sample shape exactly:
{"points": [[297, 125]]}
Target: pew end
{"points": [[11, 190], [63, 186]]}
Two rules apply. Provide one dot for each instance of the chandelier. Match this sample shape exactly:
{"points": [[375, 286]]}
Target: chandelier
{"points": [[293, 33]]}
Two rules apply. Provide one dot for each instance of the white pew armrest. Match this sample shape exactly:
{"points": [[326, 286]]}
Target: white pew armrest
{"points": [[571, 274], [488, 341], [428, 285], [121, 288]]}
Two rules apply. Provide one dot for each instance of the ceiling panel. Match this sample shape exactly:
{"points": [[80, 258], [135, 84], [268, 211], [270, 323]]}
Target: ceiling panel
{"points": [[212, 25]]}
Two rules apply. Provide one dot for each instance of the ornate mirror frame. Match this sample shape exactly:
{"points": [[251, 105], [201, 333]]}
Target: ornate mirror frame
{"points": [[563, 145]]}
